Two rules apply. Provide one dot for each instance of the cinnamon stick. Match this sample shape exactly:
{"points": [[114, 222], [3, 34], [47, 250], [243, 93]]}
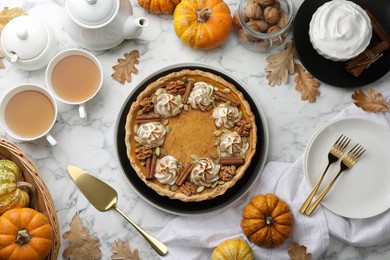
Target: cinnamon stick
{"points": [[184, 174], [364, 60], [377, 28], [189, 86], [232, 161], [152, 167], [148, 164], [148, 118], [225, 98]]}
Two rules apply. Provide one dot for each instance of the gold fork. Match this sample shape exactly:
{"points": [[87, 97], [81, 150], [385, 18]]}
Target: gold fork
{"points": [[346, 163], [335, 152]]}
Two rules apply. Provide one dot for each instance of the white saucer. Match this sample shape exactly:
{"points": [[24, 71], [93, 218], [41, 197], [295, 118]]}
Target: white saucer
{"points": [[364, 190]]}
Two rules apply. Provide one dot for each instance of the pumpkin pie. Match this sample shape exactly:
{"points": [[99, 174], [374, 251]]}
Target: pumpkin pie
{"points": [[190, 135]]}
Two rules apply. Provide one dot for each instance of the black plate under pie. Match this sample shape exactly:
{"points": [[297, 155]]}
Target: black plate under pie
{"points": [[191, 208], [332, 72]]}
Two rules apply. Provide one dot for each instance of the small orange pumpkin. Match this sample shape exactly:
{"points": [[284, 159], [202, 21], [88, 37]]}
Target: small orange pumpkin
{"points": [[25, 234], [159, 6], [267, 220], [233, 249], [202, 24]]}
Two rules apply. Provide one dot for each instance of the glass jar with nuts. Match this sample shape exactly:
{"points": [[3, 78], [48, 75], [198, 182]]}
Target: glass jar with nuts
{"points": [[263, 24]]}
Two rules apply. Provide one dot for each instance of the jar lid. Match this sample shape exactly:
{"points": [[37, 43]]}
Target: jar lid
{"points": [[92, 12], [24, 38]]}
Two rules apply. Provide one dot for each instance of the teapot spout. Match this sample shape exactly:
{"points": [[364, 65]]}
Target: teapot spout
{"points": [[133, 27]]}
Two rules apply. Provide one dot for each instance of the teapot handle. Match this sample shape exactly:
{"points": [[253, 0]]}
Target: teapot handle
{"points": [[60, 2]]}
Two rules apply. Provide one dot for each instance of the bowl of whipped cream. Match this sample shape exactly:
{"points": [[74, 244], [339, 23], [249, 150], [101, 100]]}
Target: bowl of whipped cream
{"points": [[340, 30]]}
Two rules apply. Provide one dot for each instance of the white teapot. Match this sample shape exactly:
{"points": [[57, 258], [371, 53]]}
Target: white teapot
{"points": [[101, 24], [28, 43]]}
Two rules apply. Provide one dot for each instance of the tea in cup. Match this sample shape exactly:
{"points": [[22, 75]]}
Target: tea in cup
{"points": [[28, 112], [74, 77]]}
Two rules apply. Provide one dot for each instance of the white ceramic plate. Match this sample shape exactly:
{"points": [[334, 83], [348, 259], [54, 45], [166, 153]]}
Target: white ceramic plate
{"points": [[364, 190]]}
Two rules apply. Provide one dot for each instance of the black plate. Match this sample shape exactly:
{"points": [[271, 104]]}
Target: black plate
{"points": [[332, 72], [191, 208]]}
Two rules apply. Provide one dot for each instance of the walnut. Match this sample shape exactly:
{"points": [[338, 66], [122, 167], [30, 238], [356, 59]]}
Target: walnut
{"points": [[271, 15], [253, 11], [227, 173], [243, 127], [283, 19], [176, 87], [265, 3], [146, 105], [273, 29], [188, 188], [143, 153], [260, 25]]}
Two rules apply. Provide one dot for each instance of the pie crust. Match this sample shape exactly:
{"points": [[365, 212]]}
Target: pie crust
{"points": [[192, 135]]}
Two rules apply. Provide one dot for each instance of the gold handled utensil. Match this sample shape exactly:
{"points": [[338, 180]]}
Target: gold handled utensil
{"points": [[103, 197], [347, 162], [335, 153]]}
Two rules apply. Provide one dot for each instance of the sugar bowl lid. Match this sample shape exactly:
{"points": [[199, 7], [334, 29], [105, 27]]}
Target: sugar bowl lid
{"points": [[24, 38], [92, 13]]}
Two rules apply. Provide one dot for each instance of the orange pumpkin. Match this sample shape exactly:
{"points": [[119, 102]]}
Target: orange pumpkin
{"points": [[25, 234], [202, 24], [159, 6], [267, 220]]}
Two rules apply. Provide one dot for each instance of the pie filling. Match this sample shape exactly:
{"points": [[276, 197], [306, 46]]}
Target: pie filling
{"points": [[190, 135]]}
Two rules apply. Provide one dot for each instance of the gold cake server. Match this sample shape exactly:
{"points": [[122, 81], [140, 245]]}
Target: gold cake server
{"points": [[103, 197]]}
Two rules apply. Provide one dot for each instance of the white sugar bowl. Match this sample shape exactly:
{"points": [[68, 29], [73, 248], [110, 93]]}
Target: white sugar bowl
{"points": [[28, 43]]}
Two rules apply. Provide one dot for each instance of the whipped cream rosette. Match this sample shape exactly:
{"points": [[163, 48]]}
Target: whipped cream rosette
{"points": [[168, 105], [167, 169], [201, 96], [231, 145], [150, 134], [205, 173], [225, 116], [340, 30]]}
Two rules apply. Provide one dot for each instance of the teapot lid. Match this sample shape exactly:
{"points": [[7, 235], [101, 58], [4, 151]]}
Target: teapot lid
{"points": [[24, 38], [93, 13]]}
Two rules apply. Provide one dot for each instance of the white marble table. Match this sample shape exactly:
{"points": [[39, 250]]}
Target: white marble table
{"points": [[90, 143]]}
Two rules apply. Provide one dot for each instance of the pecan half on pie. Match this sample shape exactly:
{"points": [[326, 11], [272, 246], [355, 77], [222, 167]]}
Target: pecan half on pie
{"points": [[190, 135]]}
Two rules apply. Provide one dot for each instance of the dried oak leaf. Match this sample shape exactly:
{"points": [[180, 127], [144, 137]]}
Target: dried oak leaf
{"points": [[280, 65], [306, 84], [298, 252], [126, 66], [371, 102], [122, 251], [81, 244]]}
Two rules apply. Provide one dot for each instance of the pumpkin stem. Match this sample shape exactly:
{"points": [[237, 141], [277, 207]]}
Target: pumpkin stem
{"points": [[269, 220], [22, 237], [203, 15], [32, 192]]}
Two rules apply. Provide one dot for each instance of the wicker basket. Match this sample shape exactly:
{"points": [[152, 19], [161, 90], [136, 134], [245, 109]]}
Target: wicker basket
{"points": [[43, 201]]}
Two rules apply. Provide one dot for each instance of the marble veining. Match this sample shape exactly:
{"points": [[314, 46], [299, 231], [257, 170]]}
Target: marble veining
{"points": [[89, 143]]}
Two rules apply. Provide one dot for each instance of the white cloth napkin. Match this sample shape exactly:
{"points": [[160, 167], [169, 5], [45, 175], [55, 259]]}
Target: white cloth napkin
{"points": [[196, 237]]}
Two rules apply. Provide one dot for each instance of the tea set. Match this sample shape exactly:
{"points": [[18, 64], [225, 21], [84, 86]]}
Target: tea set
{"points": [[30, 44]]}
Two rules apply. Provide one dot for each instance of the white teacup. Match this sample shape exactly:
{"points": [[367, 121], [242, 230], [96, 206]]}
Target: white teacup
{"points": [[28, 112], [74, 77]]}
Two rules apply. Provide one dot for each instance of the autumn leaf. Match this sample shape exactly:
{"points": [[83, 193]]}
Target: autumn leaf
{"points": [[371, 102], [280, 66], [306, 83], [81, 244], [122, 251], [126, 66], [298, 252]]}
